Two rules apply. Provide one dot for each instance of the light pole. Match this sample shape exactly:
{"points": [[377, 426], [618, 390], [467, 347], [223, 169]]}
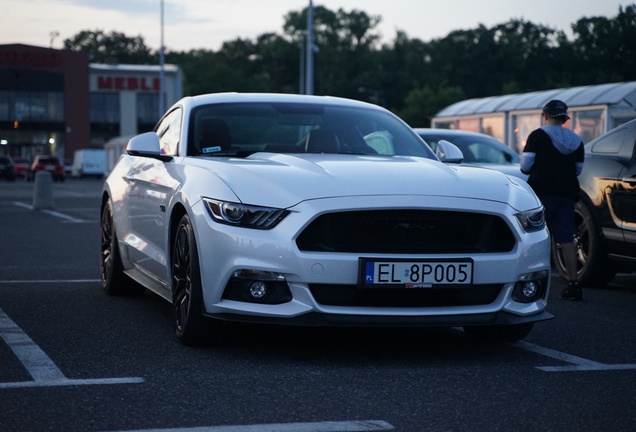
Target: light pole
{"points": [[302, 39], [309, 57], [162, 61]]}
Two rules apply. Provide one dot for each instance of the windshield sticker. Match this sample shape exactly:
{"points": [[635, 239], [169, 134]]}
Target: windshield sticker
{"points": [[214, 149]]}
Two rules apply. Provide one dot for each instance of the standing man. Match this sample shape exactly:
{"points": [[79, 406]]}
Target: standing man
{"points": [[553, 157]]}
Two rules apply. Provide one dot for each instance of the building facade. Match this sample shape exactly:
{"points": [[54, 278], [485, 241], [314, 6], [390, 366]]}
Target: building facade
{"points": [[125, 99], [44, 101], [56, 102]]}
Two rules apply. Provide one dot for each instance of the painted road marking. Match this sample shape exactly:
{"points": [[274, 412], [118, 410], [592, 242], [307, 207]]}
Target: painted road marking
{"points": [[578, 363], [66, 217], [44, 372], [40, 281], [330, 426]]}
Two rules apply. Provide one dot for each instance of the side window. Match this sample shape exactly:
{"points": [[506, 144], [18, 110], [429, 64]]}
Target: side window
{"points": [[611, 143], [169, 131]]}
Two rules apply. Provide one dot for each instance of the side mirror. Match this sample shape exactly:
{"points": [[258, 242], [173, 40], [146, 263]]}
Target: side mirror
{"points": [[146, 145], [448, 152]]}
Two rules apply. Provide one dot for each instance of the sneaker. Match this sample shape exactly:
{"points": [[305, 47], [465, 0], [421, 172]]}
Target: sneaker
{"points": [[572, 292]]}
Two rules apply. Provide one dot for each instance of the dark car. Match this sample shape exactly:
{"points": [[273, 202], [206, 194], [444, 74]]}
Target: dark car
{"points": [[7, 169], [606, 212], [50, 164], [478, 149]]}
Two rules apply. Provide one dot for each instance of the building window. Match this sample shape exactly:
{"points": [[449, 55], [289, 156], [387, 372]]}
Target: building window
{"points": [[522, 125], [450, 124], [5, 106], [493, 126], [468, 124], [147, 111], [588, 124], [32, 106], [105, 108], [104, 117]]}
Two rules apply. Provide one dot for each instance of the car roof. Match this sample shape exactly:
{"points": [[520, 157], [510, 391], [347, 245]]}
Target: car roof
{"points": [[193, 101]]}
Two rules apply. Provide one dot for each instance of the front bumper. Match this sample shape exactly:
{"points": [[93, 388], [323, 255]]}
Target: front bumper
{"points": [[224, 250]]}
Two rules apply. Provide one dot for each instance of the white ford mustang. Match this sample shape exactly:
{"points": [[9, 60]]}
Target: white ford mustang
{"points": [[318, 211]]}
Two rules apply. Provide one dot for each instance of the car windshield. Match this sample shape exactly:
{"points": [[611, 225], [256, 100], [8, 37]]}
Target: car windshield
{"points": [[476, 149], [240, 129]]}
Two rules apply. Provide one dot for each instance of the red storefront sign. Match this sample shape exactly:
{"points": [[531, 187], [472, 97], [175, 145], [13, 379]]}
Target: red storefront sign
{"points": [[128, 83], [30, 58]]}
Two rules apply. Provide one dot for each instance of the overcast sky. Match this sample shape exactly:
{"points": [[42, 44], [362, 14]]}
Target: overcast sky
{"points": [[191, 24]]}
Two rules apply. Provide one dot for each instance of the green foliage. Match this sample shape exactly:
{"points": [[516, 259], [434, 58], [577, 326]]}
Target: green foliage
{"points": [[413, 78], [607, 44], [423, 103], [113, 47]]}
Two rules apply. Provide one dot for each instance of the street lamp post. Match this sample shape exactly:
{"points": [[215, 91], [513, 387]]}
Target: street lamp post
{"points": [[162, 61], [302, 40], [309, 57]]}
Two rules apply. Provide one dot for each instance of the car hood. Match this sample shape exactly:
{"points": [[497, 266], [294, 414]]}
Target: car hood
{"points": [[511, 169], [284, 180]]}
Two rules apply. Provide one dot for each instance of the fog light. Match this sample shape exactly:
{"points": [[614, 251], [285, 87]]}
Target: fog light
{"points": [[529, 289], [258, 289], [257, 286]]}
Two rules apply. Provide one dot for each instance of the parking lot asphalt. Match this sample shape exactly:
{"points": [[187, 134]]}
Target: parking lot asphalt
{"points": [[73, 359]]}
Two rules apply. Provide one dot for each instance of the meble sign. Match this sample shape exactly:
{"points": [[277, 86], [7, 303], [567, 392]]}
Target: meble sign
{"points": [[128, 83]]}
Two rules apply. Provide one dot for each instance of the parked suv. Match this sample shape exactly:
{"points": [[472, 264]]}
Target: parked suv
{"points": [[50, 164], [7, 169], [606, 212]]}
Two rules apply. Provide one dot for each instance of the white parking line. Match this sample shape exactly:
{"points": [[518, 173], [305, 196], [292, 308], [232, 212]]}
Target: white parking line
{"points": [[44, 372], [330, 426], [578, 363], [47, 281], [52, 213]]}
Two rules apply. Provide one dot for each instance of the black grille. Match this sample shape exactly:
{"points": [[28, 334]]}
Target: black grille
{"points": [[407, 232], [351, 295]]}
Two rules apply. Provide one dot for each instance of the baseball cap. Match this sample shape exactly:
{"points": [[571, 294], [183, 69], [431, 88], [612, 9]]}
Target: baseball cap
{"points": [[556, 108]]}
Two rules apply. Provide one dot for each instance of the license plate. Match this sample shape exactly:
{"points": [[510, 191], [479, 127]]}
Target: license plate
{"points": [[49, 167], [415, 274]]}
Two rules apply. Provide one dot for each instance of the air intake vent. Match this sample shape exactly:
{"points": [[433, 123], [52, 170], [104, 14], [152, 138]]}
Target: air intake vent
{"points": [[407, 232]]}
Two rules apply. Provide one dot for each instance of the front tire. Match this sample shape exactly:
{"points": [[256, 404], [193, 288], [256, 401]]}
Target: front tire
{"points": [[594, 268], [192, 327], [114, 281]]}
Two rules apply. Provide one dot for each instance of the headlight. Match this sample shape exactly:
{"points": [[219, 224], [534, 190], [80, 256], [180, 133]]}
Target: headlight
{"points": [[244, 215], [532, 220]]}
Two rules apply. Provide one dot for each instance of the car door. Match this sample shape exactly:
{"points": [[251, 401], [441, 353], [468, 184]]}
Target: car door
{"points": [[150, 189], [609, 179], [624, 199]]}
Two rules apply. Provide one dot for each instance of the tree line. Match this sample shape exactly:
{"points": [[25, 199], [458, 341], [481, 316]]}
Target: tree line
{"points": [[413, 78]]}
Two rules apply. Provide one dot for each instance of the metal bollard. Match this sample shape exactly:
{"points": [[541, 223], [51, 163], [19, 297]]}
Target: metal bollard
{"points": [[43, 191]]}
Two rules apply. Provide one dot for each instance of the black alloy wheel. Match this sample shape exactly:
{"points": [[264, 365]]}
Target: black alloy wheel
{"points": [[114, 280], [192, 327]]}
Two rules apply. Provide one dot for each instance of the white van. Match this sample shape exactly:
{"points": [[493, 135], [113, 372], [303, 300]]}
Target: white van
{"points": [[89, 162], [114, 149]]}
